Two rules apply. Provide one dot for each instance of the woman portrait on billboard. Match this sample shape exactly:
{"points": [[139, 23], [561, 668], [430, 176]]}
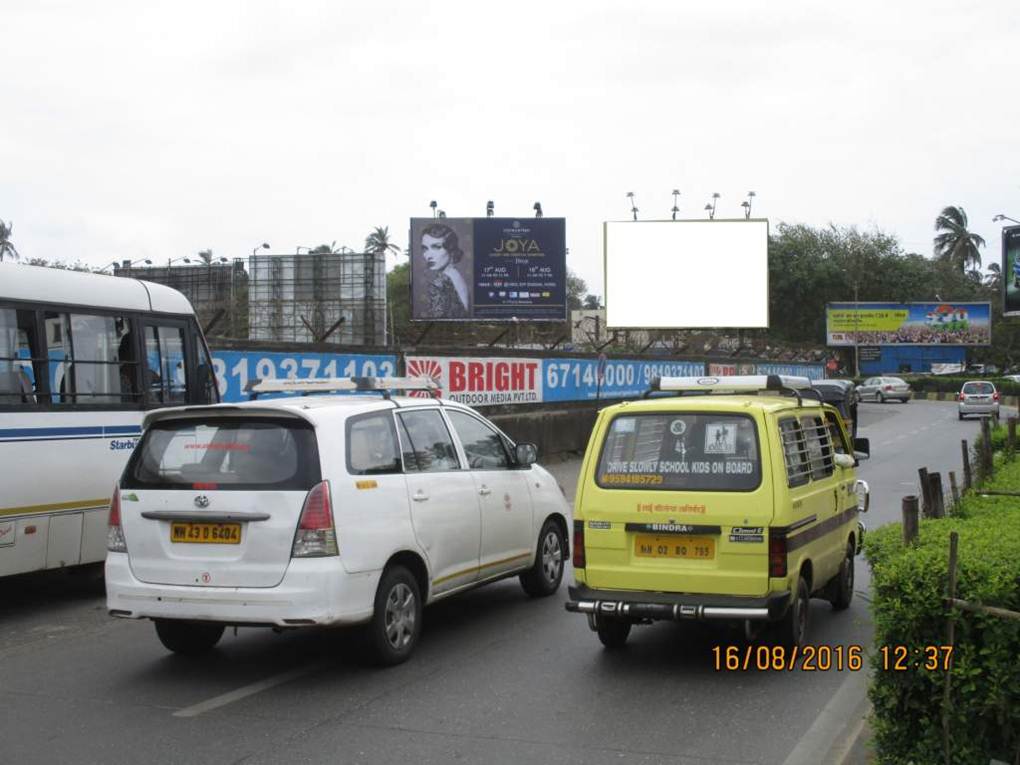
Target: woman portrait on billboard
{"points": [[446, 290]]}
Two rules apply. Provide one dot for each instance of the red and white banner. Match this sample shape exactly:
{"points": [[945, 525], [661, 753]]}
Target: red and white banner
{"points": [[484, 381]]}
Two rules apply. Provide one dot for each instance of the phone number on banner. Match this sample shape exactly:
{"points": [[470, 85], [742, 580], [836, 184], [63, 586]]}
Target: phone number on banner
{"points": [[235, 368], [578, 380]]}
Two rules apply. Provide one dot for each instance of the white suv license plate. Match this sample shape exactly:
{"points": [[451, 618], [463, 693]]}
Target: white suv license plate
{"points": [[206, 533]]}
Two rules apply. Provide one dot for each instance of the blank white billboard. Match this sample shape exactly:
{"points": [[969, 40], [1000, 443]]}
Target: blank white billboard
{"points": [[686, 274]]}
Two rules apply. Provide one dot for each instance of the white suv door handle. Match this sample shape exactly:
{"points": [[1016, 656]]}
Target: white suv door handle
{"points": [[485, 491], [419, 496]]}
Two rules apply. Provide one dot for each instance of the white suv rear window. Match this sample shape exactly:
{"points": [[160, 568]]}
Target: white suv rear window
{"points": [[235, 453], [681, 452]]}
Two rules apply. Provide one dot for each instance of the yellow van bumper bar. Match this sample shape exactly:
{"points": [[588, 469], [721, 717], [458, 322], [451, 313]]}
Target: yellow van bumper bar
{"points": [[659, 606]]}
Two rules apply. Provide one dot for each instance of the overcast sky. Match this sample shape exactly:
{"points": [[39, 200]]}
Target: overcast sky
{"points": [[145, 129]]}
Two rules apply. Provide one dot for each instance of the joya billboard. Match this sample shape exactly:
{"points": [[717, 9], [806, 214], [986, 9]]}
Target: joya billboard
{"points": [[1011, 271], [489, 269], [849, 324]]}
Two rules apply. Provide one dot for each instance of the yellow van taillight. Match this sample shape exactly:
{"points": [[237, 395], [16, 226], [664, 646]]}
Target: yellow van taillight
{"points": [[578, 558], [777, 556]]}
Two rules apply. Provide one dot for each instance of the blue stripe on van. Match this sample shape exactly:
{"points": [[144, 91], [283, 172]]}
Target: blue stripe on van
{"points": [[82, 431]]}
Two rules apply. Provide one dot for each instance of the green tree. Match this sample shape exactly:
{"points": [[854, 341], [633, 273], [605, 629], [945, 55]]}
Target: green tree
{"points": [[62, 265], [576, 290], [6, 245], [953, 242], [329, 249], [592, 302], [398, 300]]}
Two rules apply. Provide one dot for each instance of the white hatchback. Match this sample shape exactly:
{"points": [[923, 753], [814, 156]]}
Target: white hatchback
{"points": [[325, 510]]}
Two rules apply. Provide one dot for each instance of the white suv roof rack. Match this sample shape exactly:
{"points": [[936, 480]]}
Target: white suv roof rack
{"points": [[731, 384], [341, 384]]}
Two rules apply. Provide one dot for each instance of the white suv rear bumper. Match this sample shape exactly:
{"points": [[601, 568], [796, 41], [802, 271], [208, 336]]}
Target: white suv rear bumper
{"points": [[314, 591]]}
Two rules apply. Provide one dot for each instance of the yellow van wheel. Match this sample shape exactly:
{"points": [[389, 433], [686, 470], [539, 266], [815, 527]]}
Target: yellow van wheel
{"points": [[612, 632], [792, 628], [843, 584]]}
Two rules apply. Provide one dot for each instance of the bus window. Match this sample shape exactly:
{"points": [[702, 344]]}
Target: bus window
{"points": [[205, 376], [165, 380], [19, 348], [91, 359]]}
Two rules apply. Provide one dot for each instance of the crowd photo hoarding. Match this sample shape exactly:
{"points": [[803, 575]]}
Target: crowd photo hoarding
{"points": [[1011, 271], [488, 269], [686, 274], [946, 323]]}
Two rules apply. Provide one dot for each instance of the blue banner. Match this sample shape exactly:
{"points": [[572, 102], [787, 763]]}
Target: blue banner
{"points": [[578, 379], [235, 368]]}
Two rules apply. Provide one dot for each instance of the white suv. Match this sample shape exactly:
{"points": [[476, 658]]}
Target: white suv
{"points": [[325, 510]]}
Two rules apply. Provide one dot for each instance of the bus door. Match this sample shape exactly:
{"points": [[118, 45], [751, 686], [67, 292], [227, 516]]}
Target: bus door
{"points": [[165, 378], [178, 370]]}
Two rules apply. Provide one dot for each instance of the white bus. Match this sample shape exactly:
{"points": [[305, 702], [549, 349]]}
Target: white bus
{"points": [[82, 356]]}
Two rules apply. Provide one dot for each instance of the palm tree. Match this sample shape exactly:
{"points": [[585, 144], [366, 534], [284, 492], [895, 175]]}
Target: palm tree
{"points": [[379, 241], [954, 243], [206, 256], [6, 245]]}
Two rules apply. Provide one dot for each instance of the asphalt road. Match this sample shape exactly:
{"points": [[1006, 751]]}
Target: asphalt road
{"points": [[497, 678]]}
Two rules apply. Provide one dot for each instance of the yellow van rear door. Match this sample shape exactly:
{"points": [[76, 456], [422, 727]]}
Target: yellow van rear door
{"points": [[679, 502]]}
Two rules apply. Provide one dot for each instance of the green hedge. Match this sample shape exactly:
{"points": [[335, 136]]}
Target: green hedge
{"points": [[908, 587]]}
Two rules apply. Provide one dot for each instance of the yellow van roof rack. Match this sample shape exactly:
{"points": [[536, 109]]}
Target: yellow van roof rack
{"points": [[381, 385], [781, 384]]}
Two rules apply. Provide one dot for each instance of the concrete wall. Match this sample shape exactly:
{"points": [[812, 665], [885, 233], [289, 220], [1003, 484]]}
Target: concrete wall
{"points": [[554, 431]]}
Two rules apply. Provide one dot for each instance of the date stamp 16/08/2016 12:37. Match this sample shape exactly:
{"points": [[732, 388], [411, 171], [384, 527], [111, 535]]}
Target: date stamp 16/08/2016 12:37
{"points": [[826, 658]]}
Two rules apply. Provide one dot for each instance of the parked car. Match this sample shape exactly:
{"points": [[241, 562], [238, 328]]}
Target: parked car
{"points": [[325, 510], [882, 389], [977, 397], [739, 505]]}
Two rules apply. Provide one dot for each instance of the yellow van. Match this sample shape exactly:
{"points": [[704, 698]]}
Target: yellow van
{"points": [[730, 498]]}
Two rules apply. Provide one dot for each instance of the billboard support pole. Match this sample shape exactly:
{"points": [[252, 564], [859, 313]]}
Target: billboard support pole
{"points": [[857, 319]]}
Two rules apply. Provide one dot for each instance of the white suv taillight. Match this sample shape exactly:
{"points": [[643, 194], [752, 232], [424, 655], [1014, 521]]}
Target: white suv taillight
{"points": [[115, 541], [316, 535]]}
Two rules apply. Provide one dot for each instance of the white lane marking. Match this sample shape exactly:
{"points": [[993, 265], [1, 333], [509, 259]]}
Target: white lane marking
{"points": [[243, 692], [837, 717]]}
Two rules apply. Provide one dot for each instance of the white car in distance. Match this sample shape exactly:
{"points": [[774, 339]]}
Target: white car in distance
{"points": [[325, 510]]}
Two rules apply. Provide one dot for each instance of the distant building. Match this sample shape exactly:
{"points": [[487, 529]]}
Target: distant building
{"points": [[335, 298]]}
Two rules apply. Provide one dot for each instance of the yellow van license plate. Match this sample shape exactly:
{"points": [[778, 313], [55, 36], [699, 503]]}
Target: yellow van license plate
{"points": [[650, 546], [206, 533]]}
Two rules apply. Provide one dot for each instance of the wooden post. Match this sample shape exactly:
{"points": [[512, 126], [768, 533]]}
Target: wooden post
{"points": [[1011, 436], [910, 519], [954, 539], [968, 478], [922, 473], [956, 491], [986, 447], [938, 500]]}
